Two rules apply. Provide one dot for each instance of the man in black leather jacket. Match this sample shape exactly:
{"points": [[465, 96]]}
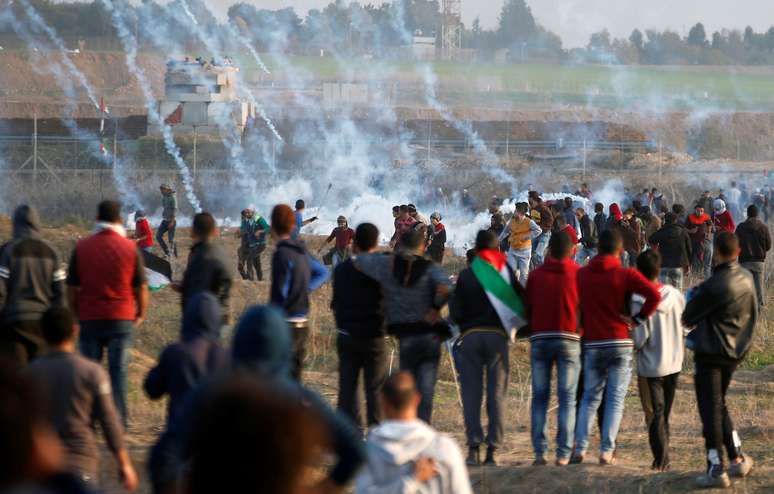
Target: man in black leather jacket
{"points": [[724, 311]]}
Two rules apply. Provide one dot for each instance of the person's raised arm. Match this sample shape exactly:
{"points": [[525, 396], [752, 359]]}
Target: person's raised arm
{"points": [[638, 284]]}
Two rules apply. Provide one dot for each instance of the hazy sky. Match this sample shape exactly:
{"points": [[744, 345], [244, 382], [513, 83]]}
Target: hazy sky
{"points": [[575, 20]]}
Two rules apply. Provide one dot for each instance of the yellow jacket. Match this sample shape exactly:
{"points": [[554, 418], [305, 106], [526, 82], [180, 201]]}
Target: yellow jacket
{"points": [[521, 229]]}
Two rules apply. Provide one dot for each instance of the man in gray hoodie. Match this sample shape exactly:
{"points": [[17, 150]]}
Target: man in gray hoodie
{"points": [[169, 219], [407, 455]]}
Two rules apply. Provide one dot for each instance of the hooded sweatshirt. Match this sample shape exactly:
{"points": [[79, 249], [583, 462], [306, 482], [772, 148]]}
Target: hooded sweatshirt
{"points": [[659, 341], [552, 300], [722, 219], [208, 270], [294, 273], [392, 449], [31, 277], [169, 205]]}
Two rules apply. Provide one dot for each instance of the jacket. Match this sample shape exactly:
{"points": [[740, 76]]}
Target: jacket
{"points": [[143, 230], [600, 222], [754, 240], [724, 310], [632, 235], [357, 302], [169, 206], [552, 300], [207, 271], [394, 446], [659, 341], [652, 225], [589, 234], [518, 230], [605, 289], [724, 222], [253, 232], [543, 217], [294, 274], [674, 245], [699, 227], [31, 277]]}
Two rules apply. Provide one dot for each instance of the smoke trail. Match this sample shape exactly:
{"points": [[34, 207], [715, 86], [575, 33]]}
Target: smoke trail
{"points": [[130, 46], [249, 47]]}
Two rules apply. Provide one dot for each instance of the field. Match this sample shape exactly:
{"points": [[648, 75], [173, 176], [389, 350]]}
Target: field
{"points": [[751, 401]]}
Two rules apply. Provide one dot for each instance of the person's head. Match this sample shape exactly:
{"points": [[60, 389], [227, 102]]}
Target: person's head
{"points": [[202, 317], [497, 219], [413, 242], [568, 202], [341, 222], [599, 208], [300, 205], [486, 240], [719, 206], [534, 199], [59, 327], [628, 214], [698, 210], [645, 190], [752, 211], [25, 221], [435, 218], [283, 221], [244, 213], [733, 184], [470, 256], [412, 210], [670, 218], [165, 188], [580, 213], [560, 222], [560, 246], [261, 343], [404, 212], [204, 227], [649, 264], [395, 211], [678, 209], [109, 212], [726, 248], [400, 397], [366, 238], [521, 210], [584, 186], [706, 193], [610, 243], [139, 215]]}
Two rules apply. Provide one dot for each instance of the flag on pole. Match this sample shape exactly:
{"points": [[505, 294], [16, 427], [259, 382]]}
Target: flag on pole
{"points": [[103, 110], [491, 271]]}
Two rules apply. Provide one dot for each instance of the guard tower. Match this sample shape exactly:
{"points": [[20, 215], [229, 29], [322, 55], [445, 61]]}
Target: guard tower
{"points": [[451, 28]]}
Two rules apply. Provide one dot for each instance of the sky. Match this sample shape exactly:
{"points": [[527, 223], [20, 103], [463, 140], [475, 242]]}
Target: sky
{"points": [[575, 20]]}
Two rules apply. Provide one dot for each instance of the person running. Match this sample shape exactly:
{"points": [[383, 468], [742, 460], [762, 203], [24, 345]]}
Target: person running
{"points": [[31, 281], [520, 231], [143, 234], [361, 343], [436, 238], [722, 218], [403, 224], [659, 345], [482, 348], [541, 215], [604, 287], [300, 221], [699, 226], [168, 220], [552, 302], [754, 242], [674, 244], [724, 311], [343, 236]]}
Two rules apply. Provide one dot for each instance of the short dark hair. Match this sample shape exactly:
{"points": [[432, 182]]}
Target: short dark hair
{"points": [[486, 239], [300, 204], [599, 207], [470, 255], [58, 325], [610, 241], [560, 222], [283, 220], [560, 246], [366, 236], [399, 390], [670, 218], [403, 208], [109, 211], [395, 209], [204, 225], [752, 211], [522, 207], [726, 244], [678, 209], [649, 264], [412, 240]]}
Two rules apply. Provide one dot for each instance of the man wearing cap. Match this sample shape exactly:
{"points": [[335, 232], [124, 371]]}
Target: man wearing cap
{"points": [[169, 222]]}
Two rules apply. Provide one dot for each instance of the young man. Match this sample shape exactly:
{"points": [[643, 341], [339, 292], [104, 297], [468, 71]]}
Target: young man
{"points": [[589, 233], [78, 391], [520, 231], [415, 290], [700, 228], [552, 302], [604, 287], [403, 224], [674, 244], [722, 218], [631, 231], [343, 236], [436, 238], [253, 231], [600, 219], [143, 234], [361, 341], [31, 281], [660, 349], [541, 215], [754, 242], [108, 291], [299, 218], [482, 348], [168, 219], [294, 274], [724, 312], [407, 455]]}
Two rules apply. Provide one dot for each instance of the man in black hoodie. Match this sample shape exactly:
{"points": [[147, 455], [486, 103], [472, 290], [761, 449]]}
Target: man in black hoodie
{"points": [[674, 244], [724, 312], [755, 242], [31, 281]]}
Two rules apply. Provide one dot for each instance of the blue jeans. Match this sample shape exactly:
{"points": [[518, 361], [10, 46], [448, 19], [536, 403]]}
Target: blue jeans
{"points": [[421, 355], [585, 254], [518, 260], [539, 246], [604, 369], [567, 355], [116, 336]]}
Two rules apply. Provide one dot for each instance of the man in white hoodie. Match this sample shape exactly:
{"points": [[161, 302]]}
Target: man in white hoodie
{"points": [[659, 343], [405, 455]]}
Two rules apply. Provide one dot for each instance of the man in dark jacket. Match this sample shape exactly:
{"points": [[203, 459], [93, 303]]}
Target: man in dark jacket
{"points": [[482, 348], [31, 281], [180, 368], [724, 312], [169, 219], [208, 268], [588, 231], [361, 342], [674, 244], [600, 219], [754, 242], [294, 274]]}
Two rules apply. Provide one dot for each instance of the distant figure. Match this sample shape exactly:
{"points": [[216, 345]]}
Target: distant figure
{"points": [[252, 232], [143, 234], [343, 235], [407, 455], [300, 221], [404, 224], [31, 281], [168, 220], [520, 231], [699, 226], [722, 217], [541, 215], [674, 244], [600, 219], [754, 242], [436, 238], [589, 237]]}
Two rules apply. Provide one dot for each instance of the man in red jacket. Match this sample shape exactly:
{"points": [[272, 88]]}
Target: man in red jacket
{"points": [[552, 302], [605, 290]]}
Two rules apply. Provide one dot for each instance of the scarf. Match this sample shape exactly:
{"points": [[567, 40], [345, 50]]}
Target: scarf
{"points": [[114, 227]]}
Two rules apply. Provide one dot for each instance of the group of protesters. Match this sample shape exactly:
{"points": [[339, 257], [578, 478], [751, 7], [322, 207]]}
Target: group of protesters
{"points": [[239, 418]]}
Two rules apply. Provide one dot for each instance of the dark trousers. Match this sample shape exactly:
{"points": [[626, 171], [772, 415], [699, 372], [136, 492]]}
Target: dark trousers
{"points": [[758, 273], [657, 395], [116, 336], [368, 355], [168, 227], [249, 262], [299, 334], [21, 342], [711, 382], [420, 355], [477, 355]]}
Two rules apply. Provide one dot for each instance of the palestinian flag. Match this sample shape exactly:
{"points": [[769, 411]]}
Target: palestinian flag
{"points": [[491, 271], [158, 271]]}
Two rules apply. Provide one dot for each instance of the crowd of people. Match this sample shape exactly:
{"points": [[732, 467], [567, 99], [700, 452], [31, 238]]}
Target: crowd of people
{"points": [[590, 291]]}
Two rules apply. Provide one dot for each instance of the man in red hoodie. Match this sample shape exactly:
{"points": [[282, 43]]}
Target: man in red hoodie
{"points": [[552, 302], [605, 289]]}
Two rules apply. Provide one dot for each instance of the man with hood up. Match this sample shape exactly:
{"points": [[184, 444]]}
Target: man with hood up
{"points": [[723, 219], [31, 281], [405, 454], [168, 219], [181, 367]]}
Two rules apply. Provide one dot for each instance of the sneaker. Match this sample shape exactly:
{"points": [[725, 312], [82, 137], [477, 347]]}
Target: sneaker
{"points": [[742, 469], [713, 478], [539, 462], [562, 462], [489, 461], [607, 459], [576, 459], [474, 457]]}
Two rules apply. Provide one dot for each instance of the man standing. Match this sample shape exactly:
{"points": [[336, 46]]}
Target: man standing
{"points": [[605, 287], [600, 219], [436, 238], [168, 219], [722, 218], [754, 242], [361, 342], [724, 311], [674, 245], [482, 348], [343, 235], [31, 281], [699, 226], [107, 289], [520, 231], [404, 224], [589, 233], [541, 215], [300, 221]]}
